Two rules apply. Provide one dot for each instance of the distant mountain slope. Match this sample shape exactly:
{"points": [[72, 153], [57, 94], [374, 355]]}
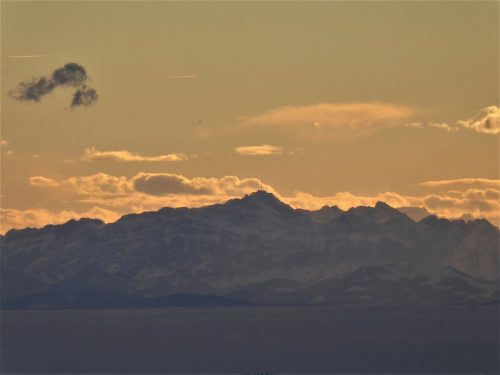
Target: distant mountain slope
{"points": [[257, 250], [416, 213]]}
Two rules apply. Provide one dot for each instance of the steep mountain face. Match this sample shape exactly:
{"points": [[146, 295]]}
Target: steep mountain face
{"points": [[257, 250]]}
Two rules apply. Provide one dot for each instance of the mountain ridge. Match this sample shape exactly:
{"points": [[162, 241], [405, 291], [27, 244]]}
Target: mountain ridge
{"points": [[407, 211], [235, 250]]}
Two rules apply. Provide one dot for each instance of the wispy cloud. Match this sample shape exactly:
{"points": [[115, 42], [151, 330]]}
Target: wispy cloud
{"points": [[443, 126], [349, 120], [40, 181], [26, 56], [259, 150], [186, 76], [336, 119], [91, 154], [461, 182], [5, 148], [486, 121], [99, 184]]}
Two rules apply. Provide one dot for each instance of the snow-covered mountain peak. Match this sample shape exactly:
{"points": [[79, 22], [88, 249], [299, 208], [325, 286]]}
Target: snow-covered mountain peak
{"points": [[325, 214], [260, 199], [383, 206], [233, 246], [381, 213]]}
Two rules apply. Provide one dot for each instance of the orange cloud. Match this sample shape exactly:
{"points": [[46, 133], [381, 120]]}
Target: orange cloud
{"points": [[463, 182], [158, 184], [5, 148], [41, 181], [91, 154], [486, 121], [473, 202], [259, 150], [97, 184], [167, 183], [337, 119], [443, 126], [346, 200], [36, 218], [118, 195]]}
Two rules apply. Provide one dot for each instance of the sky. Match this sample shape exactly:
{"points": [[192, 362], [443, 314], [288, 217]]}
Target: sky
{"points": [[110, 108]]}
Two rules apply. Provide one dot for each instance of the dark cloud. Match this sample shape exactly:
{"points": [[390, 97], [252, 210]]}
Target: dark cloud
{"points": [[71, 74], [165, 183], [84, 96], [33, 90]]}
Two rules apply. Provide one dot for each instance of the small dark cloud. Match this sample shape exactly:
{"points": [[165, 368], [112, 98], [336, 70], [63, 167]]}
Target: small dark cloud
{"points": [[33, 90], [166, 183], [84, 96], [71, 74]]}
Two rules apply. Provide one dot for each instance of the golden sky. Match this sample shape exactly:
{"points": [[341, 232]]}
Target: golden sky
{"points": [[323, 103]]}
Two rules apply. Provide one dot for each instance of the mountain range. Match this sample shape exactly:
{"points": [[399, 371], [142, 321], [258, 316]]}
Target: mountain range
{"points": [[255, 250]]}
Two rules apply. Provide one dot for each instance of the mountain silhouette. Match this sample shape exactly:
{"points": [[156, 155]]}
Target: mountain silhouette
{"points": [[252, 250]]}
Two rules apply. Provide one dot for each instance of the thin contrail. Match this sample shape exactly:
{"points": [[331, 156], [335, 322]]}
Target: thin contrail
{"points": [[26, 56], [183, 76]]}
